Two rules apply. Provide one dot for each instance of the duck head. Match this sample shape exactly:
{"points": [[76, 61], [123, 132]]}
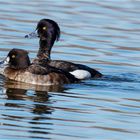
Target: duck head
{"points": [[46, 28], [16, 59], [48, 31]]}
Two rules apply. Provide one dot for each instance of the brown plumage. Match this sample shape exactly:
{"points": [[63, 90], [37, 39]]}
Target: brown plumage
{"points": [[20, 69]]}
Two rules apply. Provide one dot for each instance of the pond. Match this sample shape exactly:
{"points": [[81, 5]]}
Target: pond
{"points": [[104, 35]]}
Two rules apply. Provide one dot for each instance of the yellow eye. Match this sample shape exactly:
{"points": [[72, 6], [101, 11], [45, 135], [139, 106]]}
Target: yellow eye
{"points": [[13, 56], [44, 28]]}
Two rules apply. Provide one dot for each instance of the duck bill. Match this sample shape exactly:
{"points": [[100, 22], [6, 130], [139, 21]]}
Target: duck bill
{"points": [[32, 35], [4, 63]]}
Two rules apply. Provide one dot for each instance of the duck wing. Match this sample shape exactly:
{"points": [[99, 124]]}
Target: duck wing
{"points": [[70, 67], [41, 70]]}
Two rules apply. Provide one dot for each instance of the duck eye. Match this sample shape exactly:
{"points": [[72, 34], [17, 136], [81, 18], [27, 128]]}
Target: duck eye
{"points": [[44, 28], [13, 56]]}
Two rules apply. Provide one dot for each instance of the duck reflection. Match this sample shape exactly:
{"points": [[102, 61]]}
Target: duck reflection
{"points": [[40, 100], [31, 99], [37, 94]]}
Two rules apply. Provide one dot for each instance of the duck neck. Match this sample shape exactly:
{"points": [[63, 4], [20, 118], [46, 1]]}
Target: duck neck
{"points": [[45, 49]]}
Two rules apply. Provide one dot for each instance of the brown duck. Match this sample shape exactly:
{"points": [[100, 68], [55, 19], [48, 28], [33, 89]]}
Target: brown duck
{"points": [[17, 66]]}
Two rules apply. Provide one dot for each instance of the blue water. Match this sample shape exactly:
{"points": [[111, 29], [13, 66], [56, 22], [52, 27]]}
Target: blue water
{"points": [[101, 34]]}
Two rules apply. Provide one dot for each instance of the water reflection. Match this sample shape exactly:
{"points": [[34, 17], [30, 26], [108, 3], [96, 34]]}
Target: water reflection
{"points": [[38, 108], [21, 94]]}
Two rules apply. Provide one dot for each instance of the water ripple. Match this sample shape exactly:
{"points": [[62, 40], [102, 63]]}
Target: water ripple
{"points": [[101, 34]]}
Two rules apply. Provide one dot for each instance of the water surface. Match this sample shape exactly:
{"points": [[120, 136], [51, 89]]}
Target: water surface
{"points": [[101, 34]]}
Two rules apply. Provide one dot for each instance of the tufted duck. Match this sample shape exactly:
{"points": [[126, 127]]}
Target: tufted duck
{"points": [[48, 31], [17, 67]]}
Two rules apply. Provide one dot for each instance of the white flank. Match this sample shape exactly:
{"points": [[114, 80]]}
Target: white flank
{"points": [[81, 74]]}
